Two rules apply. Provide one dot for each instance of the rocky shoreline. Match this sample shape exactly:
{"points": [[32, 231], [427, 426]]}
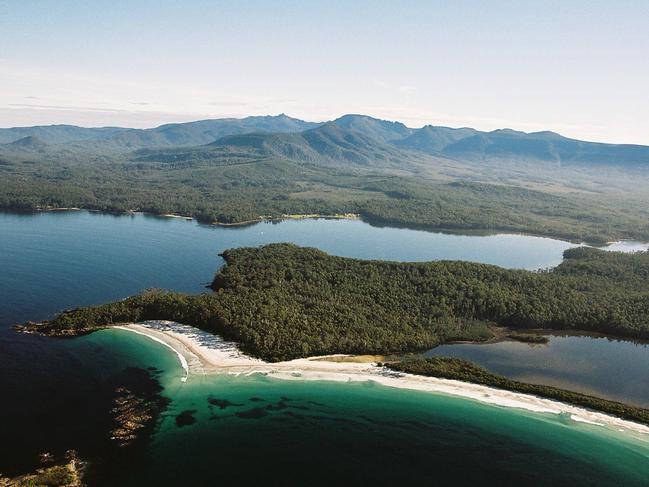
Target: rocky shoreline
{"points": [[136, 406], [69, 474]]}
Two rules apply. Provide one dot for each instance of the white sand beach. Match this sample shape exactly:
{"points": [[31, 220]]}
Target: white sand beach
{"points": [[201, 352]]}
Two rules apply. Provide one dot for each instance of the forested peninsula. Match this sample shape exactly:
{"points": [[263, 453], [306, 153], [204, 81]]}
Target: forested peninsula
{"points": [[283, 302]]}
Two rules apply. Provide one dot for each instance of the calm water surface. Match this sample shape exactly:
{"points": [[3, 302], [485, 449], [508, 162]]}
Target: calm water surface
{"points": [[58, 260], [614, 369], [317, 433], [306, 433]]}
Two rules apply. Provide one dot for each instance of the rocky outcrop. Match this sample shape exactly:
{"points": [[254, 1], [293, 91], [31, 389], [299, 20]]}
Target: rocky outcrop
{"points": [[137, 404], [68, 474]]}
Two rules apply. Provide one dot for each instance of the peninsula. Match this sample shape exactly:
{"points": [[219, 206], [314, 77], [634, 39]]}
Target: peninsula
{"points": [[282, 302]]}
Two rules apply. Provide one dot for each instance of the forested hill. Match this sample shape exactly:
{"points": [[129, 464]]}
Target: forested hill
{"points": [[175, 134], [547, 147], [282, 301], [356, 133], [242, 170], [326, 143], [359, 138]]}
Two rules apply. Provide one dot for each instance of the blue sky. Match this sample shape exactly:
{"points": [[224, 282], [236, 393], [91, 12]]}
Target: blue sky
{"points": [[579, 68]]}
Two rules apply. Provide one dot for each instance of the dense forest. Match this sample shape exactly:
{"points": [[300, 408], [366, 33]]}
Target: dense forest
{"points": [[230, 191], [463, 370], [282, 301], [352, 165]]}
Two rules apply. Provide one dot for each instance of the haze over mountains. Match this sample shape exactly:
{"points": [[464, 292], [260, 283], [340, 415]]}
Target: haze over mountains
{"points": [[356, 139], [177, 134]]}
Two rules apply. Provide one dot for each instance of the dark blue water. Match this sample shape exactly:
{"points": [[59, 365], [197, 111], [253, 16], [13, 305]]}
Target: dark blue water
{"points": [[57, 260], [54, 390]]}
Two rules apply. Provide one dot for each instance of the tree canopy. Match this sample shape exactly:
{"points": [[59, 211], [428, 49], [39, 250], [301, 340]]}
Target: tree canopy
{"points": [[282, 301]]}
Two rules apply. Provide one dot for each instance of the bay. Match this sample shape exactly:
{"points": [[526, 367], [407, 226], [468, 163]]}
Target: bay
{"points": [[362, 433]]}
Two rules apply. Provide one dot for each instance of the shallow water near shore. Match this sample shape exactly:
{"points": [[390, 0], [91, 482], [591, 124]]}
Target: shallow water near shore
{"points": [[323, 433], [258, 429]]}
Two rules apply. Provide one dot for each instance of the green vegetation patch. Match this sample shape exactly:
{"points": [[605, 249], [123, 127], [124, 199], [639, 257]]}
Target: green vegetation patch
{"points": [[283, 302], [237, 185]]}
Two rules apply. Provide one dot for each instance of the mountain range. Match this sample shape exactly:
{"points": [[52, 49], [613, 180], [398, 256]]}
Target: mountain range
{"points": [[355, 139]]}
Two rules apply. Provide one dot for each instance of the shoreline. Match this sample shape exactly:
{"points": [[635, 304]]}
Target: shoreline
{"points": [[286, 217], [354, 216], [206, 354]]}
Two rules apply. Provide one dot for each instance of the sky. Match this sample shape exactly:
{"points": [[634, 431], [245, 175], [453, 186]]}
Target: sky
{"points": [[580, 68]]}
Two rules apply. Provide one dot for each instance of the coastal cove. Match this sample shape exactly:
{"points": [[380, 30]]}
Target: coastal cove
{"points": [[239, 410], [201, 353], [324, 244], [60, 260]]}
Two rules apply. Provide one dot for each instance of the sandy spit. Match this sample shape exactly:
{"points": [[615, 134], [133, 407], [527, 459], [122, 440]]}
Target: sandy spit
{"points": [[201, 353]]}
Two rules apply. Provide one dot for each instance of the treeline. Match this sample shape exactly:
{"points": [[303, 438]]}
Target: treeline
{"points": [[267, 328], [578, 294], [463, 206], [628, 270], [463, 370], [228, 186], [282, 301]]}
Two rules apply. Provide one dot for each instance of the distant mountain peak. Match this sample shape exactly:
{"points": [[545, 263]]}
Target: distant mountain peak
{"points": [[433, 139], [353, 137], [328, 143], [357, 116], [507, 131], [30, 142], [381, 130], [546, 134]]}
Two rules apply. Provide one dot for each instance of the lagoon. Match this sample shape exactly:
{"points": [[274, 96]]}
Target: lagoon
{"points": [[596, 365]]}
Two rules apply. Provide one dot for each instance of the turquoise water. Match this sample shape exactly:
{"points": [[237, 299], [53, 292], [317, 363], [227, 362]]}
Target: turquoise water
{"points": [[317, 433], [54, 391], [614, 369]]}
